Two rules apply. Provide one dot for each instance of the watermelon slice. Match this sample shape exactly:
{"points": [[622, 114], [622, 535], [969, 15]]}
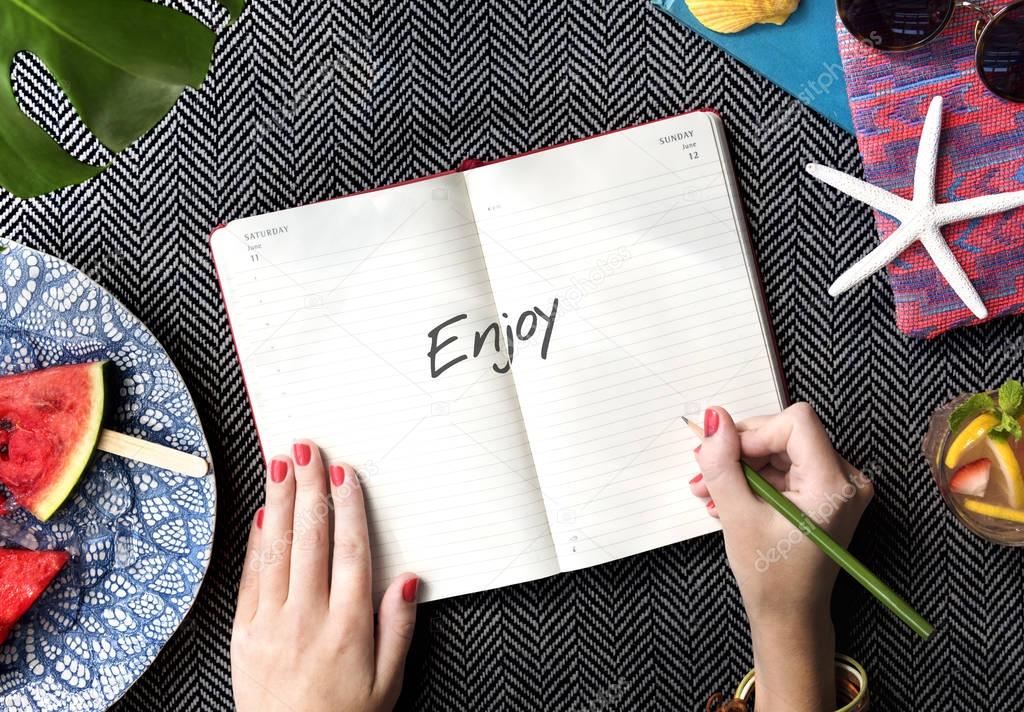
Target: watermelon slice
{"points": [[49, 424], [24, 575]]}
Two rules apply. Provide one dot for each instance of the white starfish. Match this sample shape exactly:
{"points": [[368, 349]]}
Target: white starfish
{"points": [[920, 219]]}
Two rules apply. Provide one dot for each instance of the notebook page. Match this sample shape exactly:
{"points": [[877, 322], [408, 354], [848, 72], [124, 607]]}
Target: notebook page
{"points": [[330, 305], [636, 234]]}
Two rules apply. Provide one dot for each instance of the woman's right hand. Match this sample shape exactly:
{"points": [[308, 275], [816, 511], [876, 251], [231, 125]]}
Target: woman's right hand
{"points": [[785, 580]]}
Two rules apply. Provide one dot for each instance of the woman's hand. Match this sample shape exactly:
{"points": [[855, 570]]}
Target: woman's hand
{"points": [[304, 638], [785, 580]]}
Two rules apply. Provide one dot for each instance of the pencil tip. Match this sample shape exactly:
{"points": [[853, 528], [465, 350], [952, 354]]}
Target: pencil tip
{"points": [[684, 419]]}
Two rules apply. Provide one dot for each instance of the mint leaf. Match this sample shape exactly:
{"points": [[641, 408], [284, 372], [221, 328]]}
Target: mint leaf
{"points": [[1014, 429], [1008, 427], [975, 405], [1011, 397]]}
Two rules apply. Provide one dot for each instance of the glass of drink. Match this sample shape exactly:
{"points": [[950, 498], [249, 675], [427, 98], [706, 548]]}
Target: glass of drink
{"points": [[976, 453]]}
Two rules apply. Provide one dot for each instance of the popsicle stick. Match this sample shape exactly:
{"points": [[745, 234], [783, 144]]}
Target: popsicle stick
{"points": [[152, 454]]}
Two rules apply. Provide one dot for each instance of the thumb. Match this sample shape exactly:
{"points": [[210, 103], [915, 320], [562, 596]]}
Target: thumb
{"points": [[396, 623], [719, 459]]}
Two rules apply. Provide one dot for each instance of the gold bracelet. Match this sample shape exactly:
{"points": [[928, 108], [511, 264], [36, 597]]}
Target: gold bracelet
{"points": [[851, 690]]}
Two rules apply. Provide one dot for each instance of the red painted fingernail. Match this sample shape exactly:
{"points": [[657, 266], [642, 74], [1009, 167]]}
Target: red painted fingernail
{"points": [[337, 475], [696, 450], [259, 519], [710, 504], [698, 478], [409, 589], [278, 470], [302, 454], [710, 422]]}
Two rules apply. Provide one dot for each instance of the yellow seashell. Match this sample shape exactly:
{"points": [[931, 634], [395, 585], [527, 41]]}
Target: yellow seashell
{"points": [[730, 16]]}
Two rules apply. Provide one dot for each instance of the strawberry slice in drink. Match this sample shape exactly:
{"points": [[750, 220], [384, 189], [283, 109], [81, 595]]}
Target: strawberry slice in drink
{"points": [[972, 478]]}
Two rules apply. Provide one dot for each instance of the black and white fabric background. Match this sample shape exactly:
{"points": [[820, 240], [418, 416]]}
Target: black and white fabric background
{"points": [[310, 100]]}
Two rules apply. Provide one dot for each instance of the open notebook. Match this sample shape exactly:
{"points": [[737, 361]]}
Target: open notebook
{"points": [[615, 273]]}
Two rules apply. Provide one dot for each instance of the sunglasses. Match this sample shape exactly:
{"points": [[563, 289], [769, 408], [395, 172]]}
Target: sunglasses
{"points": [[901, 25]]}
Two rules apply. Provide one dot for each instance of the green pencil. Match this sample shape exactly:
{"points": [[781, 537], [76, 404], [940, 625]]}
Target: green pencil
{"points": [[846, 561]]}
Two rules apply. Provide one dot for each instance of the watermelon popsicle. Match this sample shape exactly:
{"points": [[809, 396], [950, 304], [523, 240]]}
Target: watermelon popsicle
{"points": [[51, 423], [25, 576]]}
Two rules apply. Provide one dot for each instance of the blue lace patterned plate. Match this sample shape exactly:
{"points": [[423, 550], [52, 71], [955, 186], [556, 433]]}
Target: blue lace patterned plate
{"points": [[140, 537]]}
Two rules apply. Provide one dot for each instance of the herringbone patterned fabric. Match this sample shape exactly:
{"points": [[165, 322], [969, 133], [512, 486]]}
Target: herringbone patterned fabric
{"points": [[307, 101]]}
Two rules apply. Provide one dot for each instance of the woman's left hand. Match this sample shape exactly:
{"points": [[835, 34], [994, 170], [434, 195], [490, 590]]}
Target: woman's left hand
{"points": [[304, 635]]}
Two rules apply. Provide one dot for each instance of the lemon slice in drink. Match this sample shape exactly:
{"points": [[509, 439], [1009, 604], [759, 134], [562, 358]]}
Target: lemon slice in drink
{"points": [[1001, 451], [994, 510], [975, 431]]}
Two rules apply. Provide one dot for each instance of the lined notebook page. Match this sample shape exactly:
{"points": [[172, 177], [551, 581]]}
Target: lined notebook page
{"points": [[637, 235], [330, 305]]}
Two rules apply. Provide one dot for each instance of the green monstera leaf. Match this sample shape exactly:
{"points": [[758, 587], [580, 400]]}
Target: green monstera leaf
{"points": [[121, 63]]}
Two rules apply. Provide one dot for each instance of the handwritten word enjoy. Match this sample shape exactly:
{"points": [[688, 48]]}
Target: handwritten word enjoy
{"points": [[525, 328]]}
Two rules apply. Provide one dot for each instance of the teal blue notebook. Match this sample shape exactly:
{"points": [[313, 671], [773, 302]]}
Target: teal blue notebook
{"points": [[801, 56]]}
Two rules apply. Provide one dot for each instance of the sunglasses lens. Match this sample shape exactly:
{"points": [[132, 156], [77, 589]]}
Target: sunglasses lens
{"points": [[894, 24], [1001, 54]]}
